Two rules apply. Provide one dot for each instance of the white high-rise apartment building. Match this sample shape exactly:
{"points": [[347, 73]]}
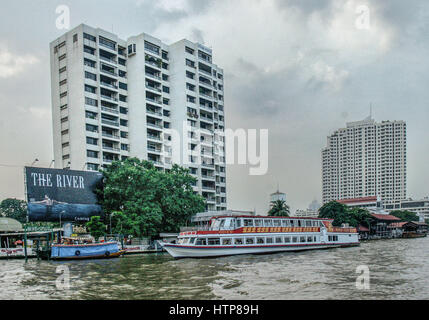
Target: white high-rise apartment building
{"points": [[366, 159], [114, 98]]}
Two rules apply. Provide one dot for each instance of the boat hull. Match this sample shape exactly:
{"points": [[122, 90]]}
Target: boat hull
{"points": [[89, 251], [181, 251]]}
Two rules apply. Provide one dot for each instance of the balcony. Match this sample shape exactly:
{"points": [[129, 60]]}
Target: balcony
{"points": [[153, 149], [153, 88], [154, 125], [153, 137], [111, 148], [153, 76], [153, 100], [205, 72], [108, 85], [108, 60], [155, 113], [110, 110], [110, 98], [111, 136], [110, 122]]}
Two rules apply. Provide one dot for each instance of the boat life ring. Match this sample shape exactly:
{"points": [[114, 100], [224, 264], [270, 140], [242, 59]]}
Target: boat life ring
{"points": [[107, 253], [77, 253]]}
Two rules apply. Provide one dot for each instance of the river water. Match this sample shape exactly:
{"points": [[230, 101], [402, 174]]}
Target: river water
{"points": [[398, 269]]}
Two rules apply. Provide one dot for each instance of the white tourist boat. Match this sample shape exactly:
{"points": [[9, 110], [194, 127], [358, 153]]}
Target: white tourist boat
{"points": [[228, 235]]}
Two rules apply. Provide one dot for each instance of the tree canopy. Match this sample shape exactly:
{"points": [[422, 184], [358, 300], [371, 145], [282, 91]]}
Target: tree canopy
{"points": [[96, 228], [145, 201], [15, 209], [279, 208], [343, 214], [405, 215]]}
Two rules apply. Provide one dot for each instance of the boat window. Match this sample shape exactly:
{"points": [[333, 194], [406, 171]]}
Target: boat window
{"points": [[222, 223], [299, 223], [309, 239], [192, 240], [213, 241], [180, 241], [284, 223], [292, 223], [226, 241], [238, 240], [269, 240], [238, 222], [302, 239], [294, 239], [268, 223], [315, 239], [315, 223], [308, 223], [201, 242], [279, 240], [287, 239], [260, 240], [185, 240], [250, 241], [258, 223], [248, 222], [277, 223]]}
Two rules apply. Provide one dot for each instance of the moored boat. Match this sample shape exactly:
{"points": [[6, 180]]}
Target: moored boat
{"points": [[85, 251], [228, 235]]}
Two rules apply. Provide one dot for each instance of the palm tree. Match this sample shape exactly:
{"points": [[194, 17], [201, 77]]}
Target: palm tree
{"points": [[279, 208]]}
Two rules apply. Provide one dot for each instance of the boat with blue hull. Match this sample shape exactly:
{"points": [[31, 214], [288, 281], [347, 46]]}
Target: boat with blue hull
{"points": [[85, 251]]}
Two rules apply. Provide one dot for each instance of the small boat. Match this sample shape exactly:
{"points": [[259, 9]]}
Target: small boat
{"points": [[228, 235], [86, 251]]}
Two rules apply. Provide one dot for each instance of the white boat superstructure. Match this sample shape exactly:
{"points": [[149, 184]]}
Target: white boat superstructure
{"points": [[228, 235]]}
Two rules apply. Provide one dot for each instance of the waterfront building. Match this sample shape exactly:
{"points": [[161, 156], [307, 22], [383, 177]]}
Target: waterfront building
{"points": [[420, 207], [278, 196], [365, 159], [202, 219], [116, 98], [309, 213]]}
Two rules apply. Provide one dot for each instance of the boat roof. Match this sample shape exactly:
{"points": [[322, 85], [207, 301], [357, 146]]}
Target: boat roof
{"points": [[272, 217]]}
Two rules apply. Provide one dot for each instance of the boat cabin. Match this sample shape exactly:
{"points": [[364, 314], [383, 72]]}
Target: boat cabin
{"points": [[233, 223]]}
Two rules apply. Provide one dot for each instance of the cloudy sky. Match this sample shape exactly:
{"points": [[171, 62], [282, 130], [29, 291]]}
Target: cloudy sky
{"points": [[298, 68]]}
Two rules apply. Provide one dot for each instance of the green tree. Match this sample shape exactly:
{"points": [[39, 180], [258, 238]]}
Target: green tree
{"points": [[15, 209], [279, 208], [145, 200], [343, 214], [405, 215], [96, 228]]}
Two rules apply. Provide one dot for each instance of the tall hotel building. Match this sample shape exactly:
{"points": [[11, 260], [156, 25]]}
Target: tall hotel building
{"points": [[366, 159], [113, 99]]}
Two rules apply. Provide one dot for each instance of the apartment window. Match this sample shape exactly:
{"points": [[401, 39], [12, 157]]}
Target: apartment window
{"points": [[64, 94], [63, 69], [66, 156], [164, 77], [151, 47], [165, 66], [124, 134], [122, 74], [190, 75], [190, 87], [62, 57], [63, 107], [190, 63], [132, 49], [92, 166], [89, 63], [123, 86], [107, 43], [190, 99], [91, 128], [63, 82], [65, 144], [90, 89], [89, 37], [92, 141], [89, 50], [123, 110], [165, 89], [91, 102], [124, 122], [91, 154], [122, 62], [189, 50], [75, 38], [89, 75], [165, 55], [64, 132], [124, 147], [166, 101], [122, 98]]}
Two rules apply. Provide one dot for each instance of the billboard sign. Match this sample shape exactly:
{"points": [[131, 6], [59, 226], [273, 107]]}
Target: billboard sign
{"points": [[62, 194]]}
